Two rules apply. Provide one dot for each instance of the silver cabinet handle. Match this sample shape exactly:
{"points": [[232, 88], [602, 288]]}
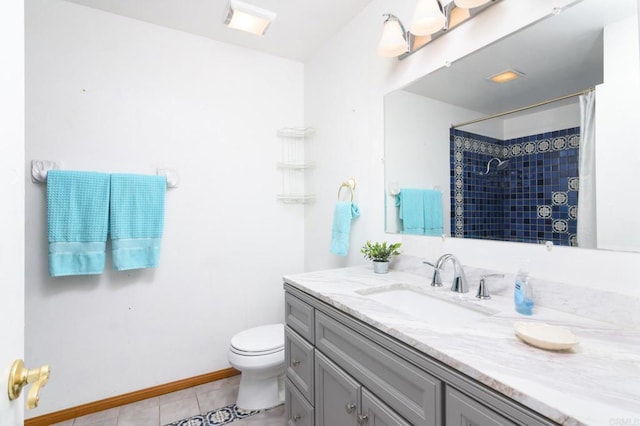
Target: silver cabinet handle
{"points": [[350, 407], [296, 418], [295, 363], [363, 419]]}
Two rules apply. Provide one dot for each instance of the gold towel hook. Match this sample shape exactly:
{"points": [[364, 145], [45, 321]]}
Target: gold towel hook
{"points": [[349, 183]]}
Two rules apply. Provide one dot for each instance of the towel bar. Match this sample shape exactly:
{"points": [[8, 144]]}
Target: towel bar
{"points": [[39, 169]]}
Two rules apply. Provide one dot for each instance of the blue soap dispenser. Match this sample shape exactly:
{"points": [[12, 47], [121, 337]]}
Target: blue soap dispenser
{"points": [[523, 292]]}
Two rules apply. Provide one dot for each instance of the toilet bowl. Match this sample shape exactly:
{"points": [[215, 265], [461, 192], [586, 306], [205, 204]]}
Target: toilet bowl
{"points": [[258, 353]]}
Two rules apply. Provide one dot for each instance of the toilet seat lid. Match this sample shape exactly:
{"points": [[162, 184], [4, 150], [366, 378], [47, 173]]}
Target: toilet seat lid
{"points": [[266, 338]]}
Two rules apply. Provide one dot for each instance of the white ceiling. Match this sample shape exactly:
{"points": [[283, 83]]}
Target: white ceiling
{"points": [[559, 56], [301, 26]]}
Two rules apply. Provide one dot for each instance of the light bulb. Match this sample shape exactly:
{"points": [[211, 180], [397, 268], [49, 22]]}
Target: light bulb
{"points": [[427, 18]]}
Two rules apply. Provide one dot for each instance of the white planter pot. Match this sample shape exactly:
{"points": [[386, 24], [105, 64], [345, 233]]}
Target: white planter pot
{"points": [[380, 267]]}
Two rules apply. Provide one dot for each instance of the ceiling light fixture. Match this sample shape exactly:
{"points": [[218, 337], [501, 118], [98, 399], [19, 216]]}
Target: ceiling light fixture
{"points": [[505, 76], [246, 17], [431, 19]]}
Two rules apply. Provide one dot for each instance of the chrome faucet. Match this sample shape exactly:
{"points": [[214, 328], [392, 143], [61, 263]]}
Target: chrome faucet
{"points": [[459, 283]]}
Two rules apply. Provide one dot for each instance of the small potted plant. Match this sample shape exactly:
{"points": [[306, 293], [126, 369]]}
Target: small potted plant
{"points": [[380, 253]]}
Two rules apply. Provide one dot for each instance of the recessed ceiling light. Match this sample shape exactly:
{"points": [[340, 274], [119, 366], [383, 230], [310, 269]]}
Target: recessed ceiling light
{"points": [[505, 76], [246, 17]]}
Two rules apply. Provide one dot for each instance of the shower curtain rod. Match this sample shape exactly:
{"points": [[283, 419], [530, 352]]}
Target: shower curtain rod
{"points": [[583, 92]]}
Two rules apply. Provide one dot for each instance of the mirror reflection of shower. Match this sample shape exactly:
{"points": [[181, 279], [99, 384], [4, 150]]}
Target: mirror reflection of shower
{"points": [[499, 165]]}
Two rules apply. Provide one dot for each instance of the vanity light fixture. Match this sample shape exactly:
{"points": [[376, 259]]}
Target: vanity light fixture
{"points": [[393, 41], [431, 19], [458, 16], [505, 76], [468, 4], [428, 18], [246, 17]]}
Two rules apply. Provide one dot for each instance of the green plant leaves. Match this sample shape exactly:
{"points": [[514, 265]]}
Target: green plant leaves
{"points": [[380, 252]]}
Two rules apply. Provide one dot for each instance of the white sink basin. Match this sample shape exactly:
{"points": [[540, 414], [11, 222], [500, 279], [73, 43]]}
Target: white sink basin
{"points": [[423, 307]]}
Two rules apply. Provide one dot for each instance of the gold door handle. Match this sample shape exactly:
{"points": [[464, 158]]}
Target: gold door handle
{"points": [[19, 377]]}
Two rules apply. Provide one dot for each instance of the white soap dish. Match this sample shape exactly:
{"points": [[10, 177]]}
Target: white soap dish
{"points": [[545, 336]]}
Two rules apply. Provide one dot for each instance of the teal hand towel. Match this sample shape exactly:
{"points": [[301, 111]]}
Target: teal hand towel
{"points": [[420, 211], [343, 213], [433, 222], [136, 220], [411, 212], [77, 222]]}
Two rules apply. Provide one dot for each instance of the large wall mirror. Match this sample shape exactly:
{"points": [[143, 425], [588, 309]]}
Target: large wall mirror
{"points": [[530, 160]]}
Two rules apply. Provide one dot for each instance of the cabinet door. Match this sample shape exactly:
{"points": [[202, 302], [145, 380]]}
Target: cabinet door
{"points": [[337, 394], [464, 411], [377, 413]]}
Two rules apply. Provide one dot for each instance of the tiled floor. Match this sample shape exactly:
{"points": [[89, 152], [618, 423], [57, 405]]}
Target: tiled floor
{"points": [[177, 406]]}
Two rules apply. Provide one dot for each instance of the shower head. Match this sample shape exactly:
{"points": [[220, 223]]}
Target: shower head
{"points": [[500, 165]]}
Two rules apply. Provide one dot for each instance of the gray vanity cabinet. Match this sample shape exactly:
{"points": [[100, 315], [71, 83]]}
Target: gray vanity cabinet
{"points": [[344, 372]]}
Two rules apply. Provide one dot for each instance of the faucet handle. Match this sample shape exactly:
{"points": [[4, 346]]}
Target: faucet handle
{"points": [[436, 280], [483, 289]]}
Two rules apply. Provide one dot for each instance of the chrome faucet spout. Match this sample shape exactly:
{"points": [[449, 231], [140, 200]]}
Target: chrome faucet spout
{"points": [[459, 283]]}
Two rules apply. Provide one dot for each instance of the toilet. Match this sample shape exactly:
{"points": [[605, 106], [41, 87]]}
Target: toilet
{"points": [[258, 353]]}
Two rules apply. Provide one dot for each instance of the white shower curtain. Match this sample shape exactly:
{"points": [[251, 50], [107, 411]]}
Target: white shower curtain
{"points": [[587, 226]]}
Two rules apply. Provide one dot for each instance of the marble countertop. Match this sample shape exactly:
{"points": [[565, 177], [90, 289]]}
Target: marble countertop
{"points": [[597, 382]]}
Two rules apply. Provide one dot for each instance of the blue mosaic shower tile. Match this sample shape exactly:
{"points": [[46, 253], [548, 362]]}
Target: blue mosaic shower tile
{"points": [[522, 202]]}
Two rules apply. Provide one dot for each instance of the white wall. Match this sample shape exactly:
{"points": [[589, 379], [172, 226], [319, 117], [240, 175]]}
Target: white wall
{"points": [[527, 124], [561, 117], [107, 93], [345, 83], [493, 128], [617, 147]]}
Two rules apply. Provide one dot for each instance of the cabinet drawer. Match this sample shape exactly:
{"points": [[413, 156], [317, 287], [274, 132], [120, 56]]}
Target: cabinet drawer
{"points": [[464, 411], [299, 316], [299, 411], [411, 392], [298, 357]]}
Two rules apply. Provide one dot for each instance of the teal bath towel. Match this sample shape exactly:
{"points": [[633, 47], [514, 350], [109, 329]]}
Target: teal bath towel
{"points": [[77, 222], [136, 220], [420, 211], [343, 213]]}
